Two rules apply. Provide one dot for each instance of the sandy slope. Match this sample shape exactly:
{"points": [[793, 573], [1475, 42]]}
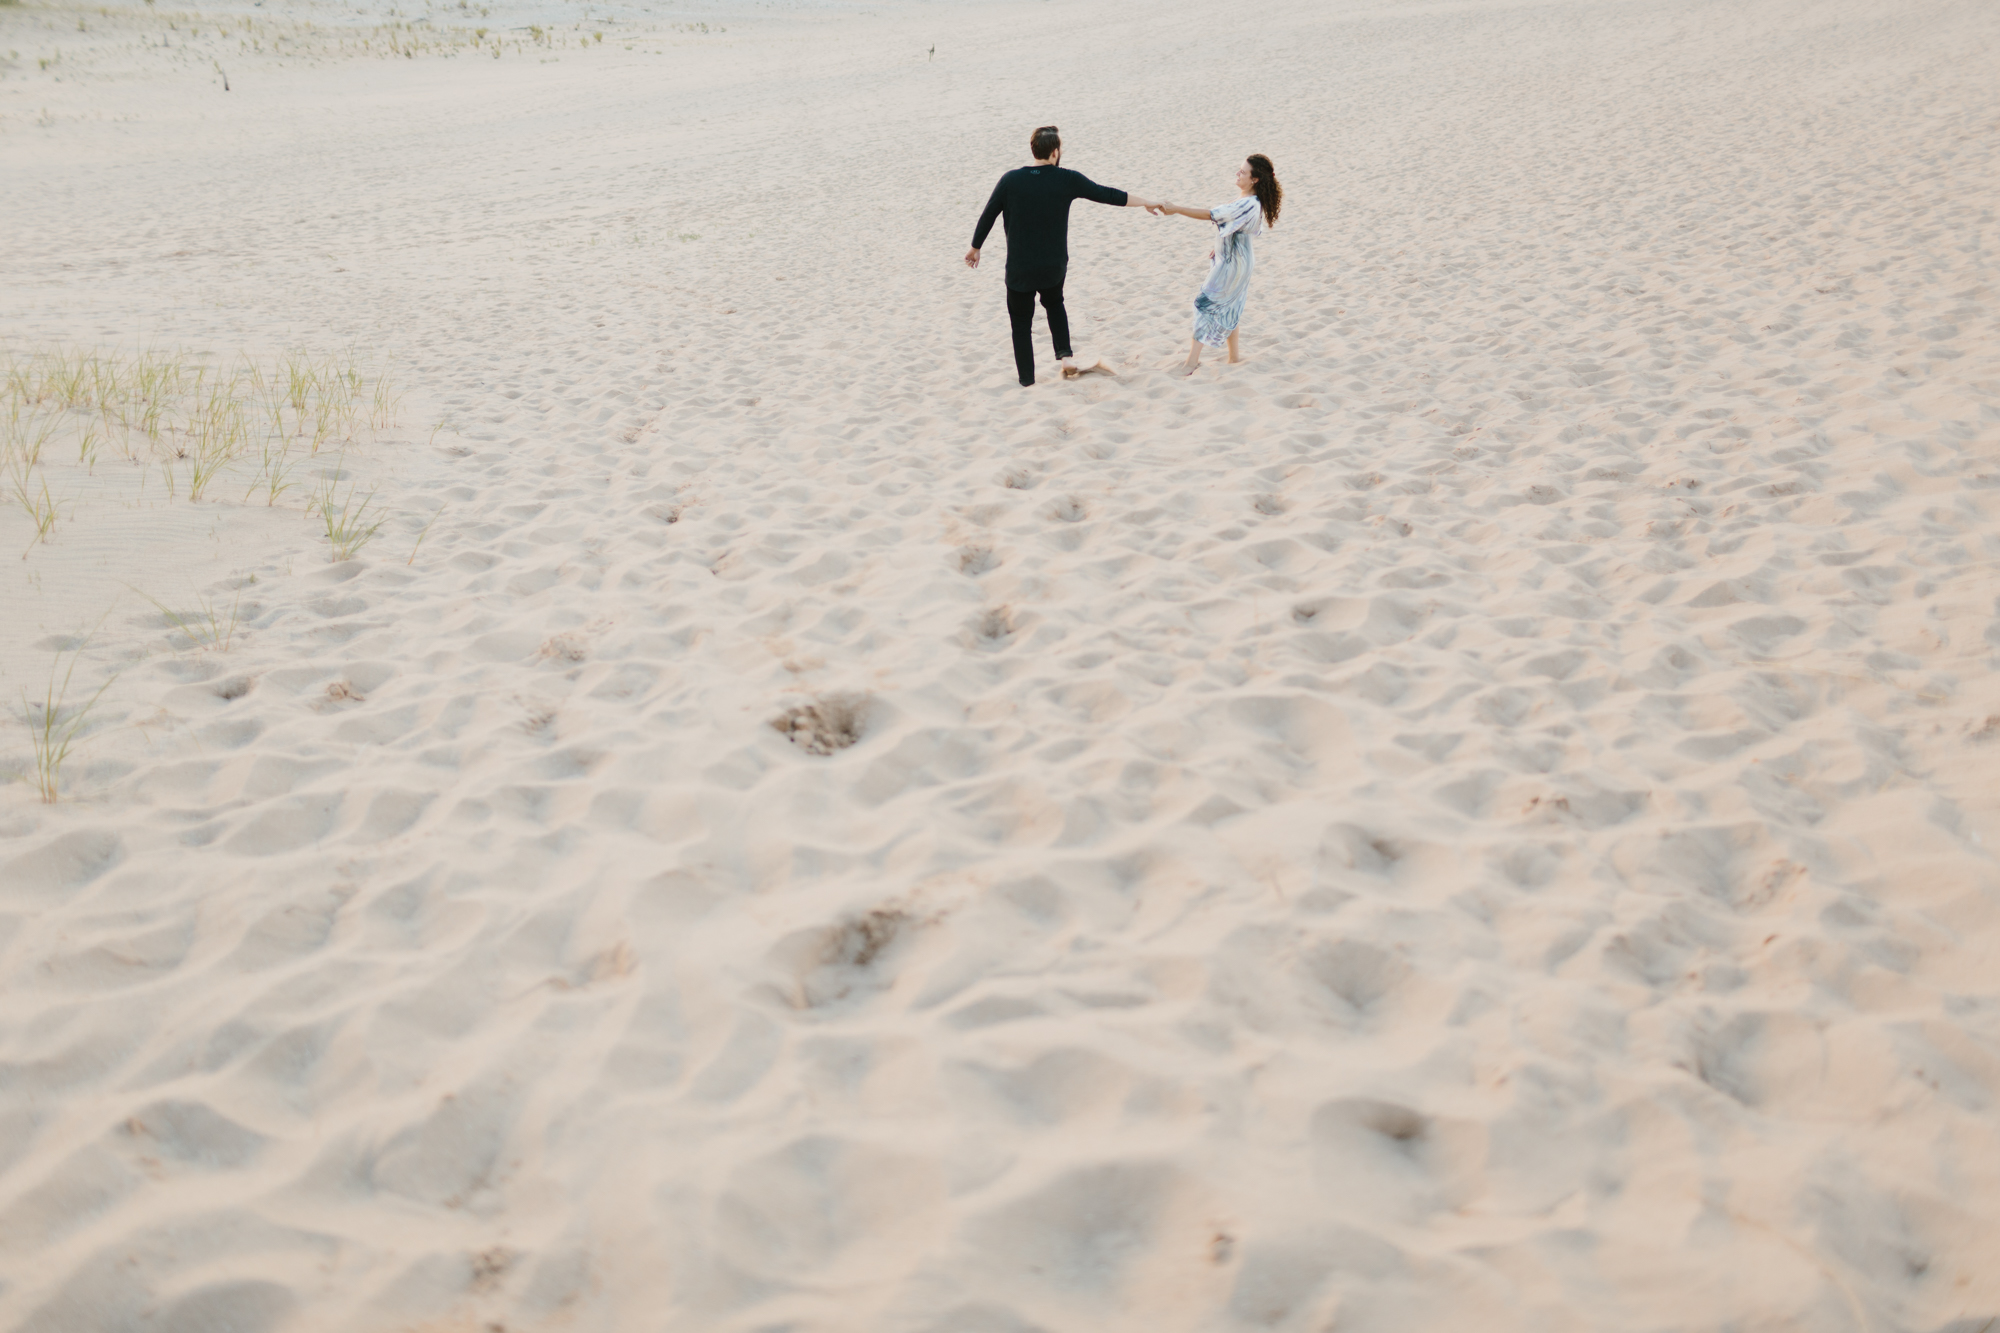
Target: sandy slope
{"points": [[1479, 814]]}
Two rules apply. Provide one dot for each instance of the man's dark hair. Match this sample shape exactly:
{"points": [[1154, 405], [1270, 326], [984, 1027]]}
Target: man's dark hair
{"points": [[1044, 142]]}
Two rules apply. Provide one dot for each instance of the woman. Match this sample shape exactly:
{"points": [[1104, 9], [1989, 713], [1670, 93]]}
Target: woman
{"points": [[1220, 304]]}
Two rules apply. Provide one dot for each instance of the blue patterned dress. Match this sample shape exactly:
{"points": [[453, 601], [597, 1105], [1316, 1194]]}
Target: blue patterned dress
{"points": [[1220, 304]]}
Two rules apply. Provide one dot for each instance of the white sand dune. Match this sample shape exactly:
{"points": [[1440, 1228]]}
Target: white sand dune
{"points": [[1479, 815]]}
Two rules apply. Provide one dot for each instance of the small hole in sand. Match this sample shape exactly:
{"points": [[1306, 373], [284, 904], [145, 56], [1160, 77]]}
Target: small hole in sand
{"points": [[832, 722]]}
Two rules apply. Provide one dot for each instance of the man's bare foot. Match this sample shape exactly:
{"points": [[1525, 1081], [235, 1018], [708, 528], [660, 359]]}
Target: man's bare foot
{"points": [[1069, 370], [1098, 367]]}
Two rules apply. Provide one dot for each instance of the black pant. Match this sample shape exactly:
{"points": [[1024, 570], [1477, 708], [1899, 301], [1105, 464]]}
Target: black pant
{"points": [[1021, 310]]}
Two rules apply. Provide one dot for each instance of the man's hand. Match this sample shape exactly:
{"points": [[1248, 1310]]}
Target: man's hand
{"points": [[972, 258]]}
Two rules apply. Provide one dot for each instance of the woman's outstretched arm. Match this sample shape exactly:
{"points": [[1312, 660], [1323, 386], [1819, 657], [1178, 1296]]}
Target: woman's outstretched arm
{"points": [[1183, 210]]}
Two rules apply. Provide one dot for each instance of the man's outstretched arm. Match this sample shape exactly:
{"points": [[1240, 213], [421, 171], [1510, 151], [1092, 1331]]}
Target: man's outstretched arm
{"points": [[1104, 194], [994, 207]]}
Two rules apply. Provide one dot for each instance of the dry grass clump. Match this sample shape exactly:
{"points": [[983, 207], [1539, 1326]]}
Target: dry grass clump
{"points": [[200, 423], [182, 411], [43, 508], [243, 41], [205, 626], [350, 524], [55, 724]]}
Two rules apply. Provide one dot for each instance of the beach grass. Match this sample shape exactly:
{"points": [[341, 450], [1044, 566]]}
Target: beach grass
{"points": [[206, 626], [274, 475], [55, 725], [193, 425], [423, 534], [199, 419], [43, 508], [350, 523]]}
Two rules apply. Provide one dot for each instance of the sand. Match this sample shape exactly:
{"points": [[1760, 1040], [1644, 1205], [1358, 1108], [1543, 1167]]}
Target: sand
{"points": [[1478, 816]]}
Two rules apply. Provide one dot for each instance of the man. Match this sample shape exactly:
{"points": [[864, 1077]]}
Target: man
{"points": [[1035, 201]]}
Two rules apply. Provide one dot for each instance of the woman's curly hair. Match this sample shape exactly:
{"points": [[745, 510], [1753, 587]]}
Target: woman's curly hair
{"points": [[1270, 194]]}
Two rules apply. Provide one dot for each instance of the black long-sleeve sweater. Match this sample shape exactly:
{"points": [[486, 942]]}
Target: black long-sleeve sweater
{"points": [[1035, 201]]}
